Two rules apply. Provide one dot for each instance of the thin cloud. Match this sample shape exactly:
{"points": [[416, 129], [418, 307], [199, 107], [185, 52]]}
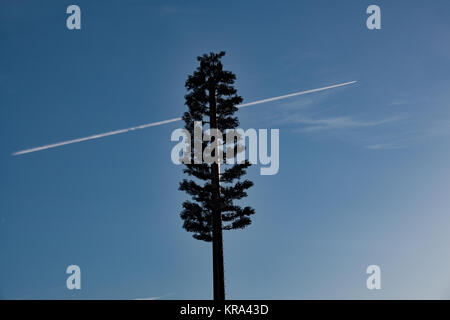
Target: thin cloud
{"points": [[383, 146], [299, 104], [398, 102], [343, 122]]}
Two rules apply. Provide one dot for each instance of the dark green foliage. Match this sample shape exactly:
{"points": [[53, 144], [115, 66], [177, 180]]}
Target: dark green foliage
{"points": [[208, 82]]}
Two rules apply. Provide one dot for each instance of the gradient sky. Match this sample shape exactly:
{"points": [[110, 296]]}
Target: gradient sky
{"points": [[364, 170]]}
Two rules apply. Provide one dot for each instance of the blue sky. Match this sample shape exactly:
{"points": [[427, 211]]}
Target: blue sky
{"points": [[364, 169]]}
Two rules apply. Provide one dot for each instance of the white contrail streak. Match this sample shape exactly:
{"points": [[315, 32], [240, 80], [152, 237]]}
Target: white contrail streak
{"points": [[153, 124], [95, 136], [295, 94]]}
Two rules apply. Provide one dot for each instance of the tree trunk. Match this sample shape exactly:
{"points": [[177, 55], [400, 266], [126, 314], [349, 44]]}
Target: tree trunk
{"points": [[217, 243]]}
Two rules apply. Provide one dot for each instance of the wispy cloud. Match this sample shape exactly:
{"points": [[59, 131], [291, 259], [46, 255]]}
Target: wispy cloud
{"points": [[341, 122], [383, 146], [398, 102], [299, 104]]}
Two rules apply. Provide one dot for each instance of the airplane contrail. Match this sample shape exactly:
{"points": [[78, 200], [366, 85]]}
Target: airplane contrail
{"points": [[154, 124]]}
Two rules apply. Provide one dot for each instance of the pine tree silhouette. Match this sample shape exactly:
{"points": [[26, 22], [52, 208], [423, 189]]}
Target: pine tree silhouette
{"points": [[212, 97]]}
